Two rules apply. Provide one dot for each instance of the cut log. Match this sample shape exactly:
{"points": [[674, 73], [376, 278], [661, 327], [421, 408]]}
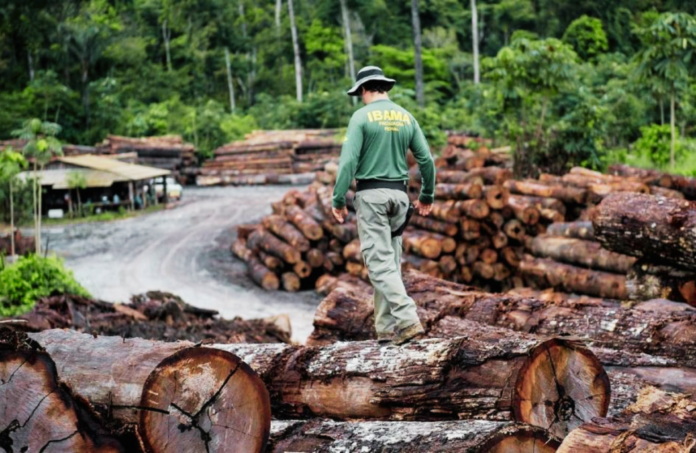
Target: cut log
{"points": [[424, 265], [475, 436], [496, 196], [458, 191], [513, 228], [566, 194], [436, 226], [471, 229], [484, 270], [177, 397], [543, 203], [345, 232], [647, 281], [452, 177], [272, 262], [39, 412], [490, 373], [492, 175], [445, 211], [476, 209], [315, 258], [658, 422], [447, 264], [291, 282], [551, 274], [286, 231], [355, 269], [352, 252], [304, 222], [647, 328], [664, 192], [302, 269], [262, 239], [583, 253], [427, 245], [259, 273], [525, 211], [661, 230], [683, 184], [577, 230]]}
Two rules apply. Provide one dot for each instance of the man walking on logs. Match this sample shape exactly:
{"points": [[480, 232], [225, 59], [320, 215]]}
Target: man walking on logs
{"points": [[374, 152]]}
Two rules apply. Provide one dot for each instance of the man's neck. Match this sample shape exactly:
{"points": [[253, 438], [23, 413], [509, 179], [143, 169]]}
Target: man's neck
{"points": [[373, 97]]}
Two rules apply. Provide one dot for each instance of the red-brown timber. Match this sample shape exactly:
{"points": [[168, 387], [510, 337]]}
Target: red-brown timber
{"points": [[306, 224], [661, 230], [286, 231], [425, 244], [457, 191], [259, 273], [583, 253], [178, 397], [552, 274], [262, 239], [534, 188], [436, 226], [581, 229]]}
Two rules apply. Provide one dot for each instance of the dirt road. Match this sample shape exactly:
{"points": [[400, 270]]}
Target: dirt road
{"points": [[185, 251]]}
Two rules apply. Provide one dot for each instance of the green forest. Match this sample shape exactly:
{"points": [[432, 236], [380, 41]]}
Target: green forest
{"points": [[563, 82]]}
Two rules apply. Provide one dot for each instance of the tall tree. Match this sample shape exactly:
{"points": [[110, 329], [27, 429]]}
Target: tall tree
{"points": [[296, 49], [418, 46], [41, 146], [230, 85], [475, 40], [667, 59], [278, 7], [349, 39], [11, 163]]}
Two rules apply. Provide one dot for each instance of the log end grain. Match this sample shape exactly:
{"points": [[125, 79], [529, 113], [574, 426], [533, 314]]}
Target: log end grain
{"points": [[204, 399]]}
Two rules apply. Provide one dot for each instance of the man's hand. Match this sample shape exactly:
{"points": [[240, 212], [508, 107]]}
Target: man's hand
{"points": [[340, 214], [423, 209]]}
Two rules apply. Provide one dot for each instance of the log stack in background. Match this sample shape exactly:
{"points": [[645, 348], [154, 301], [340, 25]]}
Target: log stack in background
{"points": [[271, 157], [168, 152]]}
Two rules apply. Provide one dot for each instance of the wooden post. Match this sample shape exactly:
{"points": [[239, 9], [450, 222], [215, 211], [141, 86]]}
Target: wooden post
{"points": [[131, 195], [165, 195]]}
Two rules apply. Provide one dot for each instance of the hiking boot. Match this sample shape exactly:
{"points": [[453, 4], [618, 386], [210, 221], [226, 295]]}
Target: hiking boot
{"points": [[385, 337], [408, 334]]}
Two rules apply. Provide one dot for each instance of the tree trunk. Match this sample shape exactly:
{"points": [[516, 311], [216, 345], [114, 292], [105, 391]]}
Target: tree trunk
{"points": [[286, 231], [415, 17], [458, 191], [491, 373], [262, 239], [475, 40], [578, 230], [427, 245], [672, 120], [551, 274], [230, 85], [296, 50], [531, 187], [30, 62], [278, 6], [349, 41], [455, 436], [12, 227], [166, 37], [36, 188], [583, 253], [646, 281], [664, 330], [41, 413], [658, 422], [259, 273], [177, 396], [79, 203], [660, 230], [436, 226], [306, 224]]}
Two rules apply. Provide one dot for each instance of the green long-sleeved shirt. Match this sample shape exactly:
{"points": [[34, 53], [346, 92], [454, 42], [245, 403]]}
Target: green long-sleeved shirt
{"points": [[378, 138]]}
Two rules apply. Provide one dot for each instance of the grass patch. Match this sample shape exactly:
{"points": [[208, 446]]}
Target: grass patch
{"points": [[103, 217]]}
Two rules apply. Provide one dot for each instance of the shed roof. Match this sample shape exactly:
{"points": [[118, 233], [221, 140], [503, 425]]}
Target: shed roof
{"points": [[130, 172]]}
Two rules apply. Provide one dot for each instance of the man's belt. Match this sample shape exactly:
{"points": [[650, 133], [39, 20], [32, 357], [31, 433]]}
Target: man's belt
{"points": [[367, 184]]}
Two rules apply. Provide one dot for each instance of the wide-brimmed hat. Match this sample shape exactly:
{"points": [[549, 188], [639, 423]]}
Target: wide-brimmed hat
{"points": [[369, 73]]}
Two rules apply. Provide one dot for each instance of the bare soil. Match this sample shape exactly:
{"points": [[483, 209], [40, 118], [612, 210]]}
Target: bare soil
{"points": [[185, 251]]}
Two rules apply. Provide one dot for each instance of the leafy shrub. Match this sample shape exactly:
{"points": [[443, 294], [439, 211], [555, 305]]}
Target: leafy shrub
{"points": [[31, 278], [654, 145]]}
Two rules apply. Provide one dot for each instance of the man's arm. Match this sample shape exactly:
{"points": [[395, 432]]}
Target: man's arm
{"points": [[421, 151], [348, 162]]}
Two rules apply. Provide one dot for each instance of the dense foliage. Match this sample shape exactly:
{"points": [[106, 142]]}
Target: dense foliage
{"points": [[31, 278], [563, 82]]}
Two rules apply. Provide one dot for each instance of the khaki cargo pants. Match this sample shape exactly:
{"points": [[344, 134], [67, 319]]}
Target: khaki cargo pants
{"points": [[381, 211]]}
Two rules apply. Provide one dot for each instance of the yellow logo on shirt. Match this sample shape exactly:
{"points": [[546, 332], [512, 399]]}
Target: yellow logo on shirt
{"points": [[391, 120]]}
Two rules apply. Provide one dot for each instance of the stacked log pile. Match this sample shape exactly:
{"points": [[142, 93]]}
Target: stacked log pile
{"points": [[271, 157], [169, 152], [154, 315]]}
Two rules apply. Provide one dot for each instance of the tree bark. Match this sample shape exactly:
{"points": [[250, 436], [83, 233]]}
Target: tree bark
{"points": [[475, 41], [296, 50], [230, 85], [580, 252], [259, 273], [41, 413], [415, 18], [646, 281], [178, 397], [286, 231], [496, 196], [423, 244], [530, 187], [551, 274], [661, 230], [458, 191], [577, 230], [262, 239], [491, 373], [291, 282], [436, 226], [456, 436], [306, 224], [658, 421]]}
